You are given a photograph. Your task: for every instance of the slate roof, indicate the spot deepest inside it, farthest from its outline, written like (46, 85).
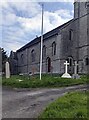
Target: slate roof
(45, 36)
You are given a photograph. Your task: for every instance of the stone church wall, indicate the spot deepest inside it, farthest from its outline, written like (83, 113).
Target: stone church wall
(83, 36)
(76, 48)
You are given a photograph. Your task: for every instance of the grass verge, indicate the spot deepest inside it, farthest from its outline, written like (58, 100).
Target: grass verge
(47, 81)
(72, 105)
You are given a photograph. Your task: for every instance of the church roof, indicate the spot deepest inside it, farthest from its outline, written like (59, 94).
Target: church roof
(45, 36)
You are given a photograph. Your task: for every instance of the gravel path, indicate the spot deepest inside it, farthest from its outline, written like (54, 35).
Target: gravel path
(29, 103)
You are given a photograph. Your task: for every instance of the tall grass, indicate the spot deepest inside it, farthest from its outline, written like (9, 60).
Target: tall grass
(72, 105)
(47, 81)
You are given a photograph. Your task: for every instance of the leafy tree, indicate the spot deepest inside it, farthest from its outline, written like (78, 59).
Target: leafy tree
(3, 58)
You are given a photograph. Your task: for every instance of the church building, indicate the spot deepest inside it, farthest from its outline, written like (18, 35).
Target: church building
(69, 41)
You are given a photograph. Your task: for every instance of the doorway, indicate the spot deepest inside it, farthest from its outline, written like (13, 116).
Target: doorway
(48, 61)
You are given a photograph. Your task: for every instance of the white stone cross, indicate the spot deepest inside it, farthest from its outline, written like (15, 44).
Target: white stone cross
(66, 75)
(7, 70)
(75, 67)
(66, 66)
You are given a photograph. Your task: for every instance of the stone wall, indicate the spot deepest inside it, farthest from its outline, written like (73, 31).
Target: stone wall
(28, 66)
(77, 48)
(83, 38)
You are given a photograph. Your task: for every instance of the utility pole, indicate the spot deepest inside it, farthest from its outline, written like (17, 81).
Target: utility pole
(41, 44)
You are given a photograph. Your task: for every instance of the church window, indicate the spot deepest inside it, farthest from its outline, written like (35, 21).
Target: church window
(70, 61)
(86, 4)
(87, 61)
(44, 51)
(33, 55)
(53, 48)
(70, 34)
(22, 58)
(87, 31)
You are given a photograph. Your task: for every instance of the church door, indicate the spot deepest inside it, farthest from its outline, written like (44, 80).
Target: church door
(48, 64)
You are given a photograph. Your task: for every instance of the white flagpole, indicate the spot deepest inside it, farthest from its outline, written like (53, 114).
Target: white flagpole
(41, 44)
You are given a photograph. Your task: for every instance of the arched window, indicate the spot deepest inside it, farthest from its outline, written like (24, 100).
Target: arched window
(22, 58)
(87, 61)
(53, 48)
(70, 61)
(33, 55)
(70, 34)
(44, 51)
(86, 4)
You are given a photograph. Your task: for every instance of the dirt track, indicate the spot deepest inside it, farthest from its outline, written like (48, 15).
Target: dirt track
(28, 103)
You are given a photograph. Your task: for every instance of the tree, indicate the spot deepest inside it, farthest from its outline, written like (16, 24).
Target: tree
(3, 58)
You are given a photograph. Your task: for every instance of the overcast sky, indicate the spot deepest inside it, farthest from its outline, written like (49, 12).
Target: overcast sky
(21, 21)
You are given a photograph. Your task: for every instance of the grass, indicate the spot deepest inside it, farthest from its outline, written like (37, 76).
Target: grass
(72, 105)
(47, 81)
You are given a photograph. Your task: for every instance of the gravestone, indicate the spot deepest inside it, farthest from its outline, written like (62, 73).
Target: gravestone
(75, 75)
(7, 68)
(66, 74)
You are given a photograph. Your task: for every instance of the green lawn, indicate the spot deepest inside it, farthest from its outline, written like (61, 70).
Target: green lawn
(47, 81)
(72, 105)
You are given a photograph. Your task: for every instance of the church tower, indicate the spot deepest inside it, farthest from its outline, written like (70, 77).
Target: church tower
(81, 14)
(76, 9)
(80, 8)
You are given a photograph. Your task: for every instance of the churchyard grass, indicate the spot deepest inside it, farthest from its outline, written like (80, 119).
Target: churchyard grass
(47, 81)
(72, 105)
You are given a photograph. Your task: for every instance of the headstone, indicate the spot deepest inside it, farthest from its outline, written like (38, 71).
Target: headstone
(33, 71)
(75, 75)
(7, 70)
(66, 75)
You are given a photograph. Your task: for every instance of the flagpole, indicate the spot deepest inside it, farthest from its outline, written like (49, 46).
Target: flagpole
(41, 44)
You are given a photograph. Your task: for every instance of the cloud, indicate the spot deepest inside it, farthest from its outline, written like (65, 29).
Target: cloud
(41, 1)
(23, 8)
(11, 46)
(9, 19)
(64, 13)
(21, 22)
(30, 24)
(51, 20)
(54, 19)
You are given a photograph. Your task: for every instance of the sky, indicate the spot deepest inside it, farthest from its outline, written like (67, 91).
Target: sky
(20, 22)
